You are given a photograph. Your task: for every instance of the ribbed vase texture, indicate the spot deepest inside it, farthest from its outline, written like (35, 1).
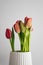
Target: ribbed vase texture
(20, 58)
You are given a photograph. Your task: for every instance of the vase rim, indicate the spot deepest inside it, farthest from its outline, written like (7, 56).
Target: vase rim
(19, 52)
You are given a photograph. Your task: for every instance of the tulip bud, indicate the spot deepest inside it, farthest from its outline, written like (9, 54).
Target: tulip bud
(17, 27)
(26, 19)
(28, 22)
(22, 26)
(8, 33)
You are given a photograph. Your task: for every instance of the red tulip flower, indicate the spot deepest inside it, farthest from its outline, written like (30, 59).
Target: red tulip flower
(8, 33)
(28, 22)
(17, 27)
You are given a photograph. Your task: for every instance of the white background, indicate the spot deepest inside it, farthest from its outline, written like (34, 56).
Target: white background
(10, 11)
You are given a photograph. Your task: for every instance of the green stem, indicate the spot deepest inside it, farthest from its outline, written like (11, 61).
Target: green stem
(29, 40)
(12, 45)
(21, 37)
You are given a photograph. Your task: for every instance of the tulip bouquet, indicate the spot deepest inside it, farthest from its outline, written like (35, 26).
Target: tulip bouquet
(23, 30)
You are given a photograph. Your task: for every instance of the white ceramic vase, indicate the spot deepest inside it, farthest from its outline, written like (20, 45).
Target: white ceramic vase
(20, 58)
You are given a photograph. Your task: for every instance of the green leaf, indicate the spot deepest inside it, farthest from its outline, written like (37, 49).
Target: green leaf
(25, 40)
(26, 46)
(12, 40)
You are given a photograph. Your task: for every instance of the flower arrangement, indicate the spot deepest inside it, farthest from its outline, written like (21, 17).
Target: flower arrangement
(23, 30)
